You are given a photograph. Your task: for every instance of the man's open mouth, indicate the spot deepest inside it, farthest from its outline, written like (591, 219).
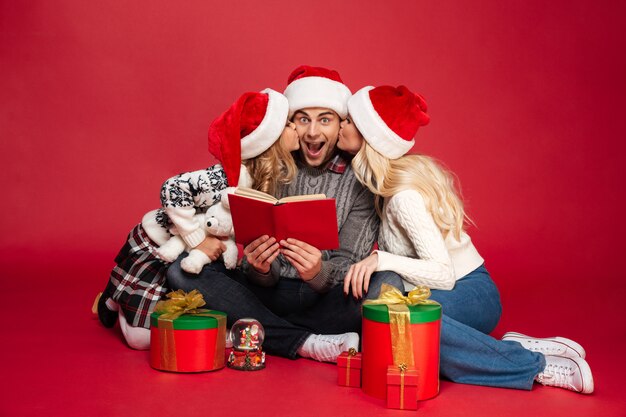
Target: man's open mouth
(314, 148)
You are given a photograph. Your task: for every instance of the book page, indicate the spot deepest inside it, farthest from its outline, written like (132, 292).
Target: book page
(260, 195)
(305, 197)
(255, 194)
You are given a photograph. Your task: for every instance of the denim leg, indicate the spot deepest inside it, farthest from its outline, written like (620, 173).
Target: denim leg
(474, 301)
(468, 354)
(287, 296)
(383, 277)
(228, 291)
(334, 312)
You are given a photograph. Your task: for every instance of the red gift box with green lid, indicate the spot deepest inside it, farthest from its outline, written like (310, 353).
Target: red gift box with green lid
(414, 344)
(187, 340)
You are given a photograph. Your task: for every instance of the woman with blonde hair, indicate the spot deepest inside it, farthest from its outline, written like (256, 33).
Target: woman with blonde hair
(253, 141)
(422, 238)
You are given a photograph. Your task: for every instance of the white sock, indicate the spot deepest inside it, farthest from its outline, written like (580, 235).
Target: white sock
(136, 337)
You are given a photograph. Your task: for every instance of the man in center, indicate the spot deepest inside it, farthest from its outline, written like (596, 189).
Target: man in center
(291, 287)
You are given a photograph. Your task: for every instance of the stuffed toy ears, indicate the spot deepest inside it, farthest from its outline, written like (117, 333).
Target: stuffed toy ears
(224, 197)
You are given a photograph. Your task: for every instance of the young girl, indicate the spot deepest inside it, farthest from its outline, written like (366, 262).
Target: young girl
(422, 239)
(253, 141)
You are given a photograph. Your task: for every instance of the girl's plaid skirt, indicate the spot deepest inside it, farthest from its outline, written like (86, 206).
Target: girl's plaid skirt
(137, 282)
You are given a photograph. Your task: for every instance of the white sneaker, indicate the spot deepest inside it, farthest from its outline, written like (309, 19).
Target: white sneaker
(327, 347)
(554, 346)
(569, 373)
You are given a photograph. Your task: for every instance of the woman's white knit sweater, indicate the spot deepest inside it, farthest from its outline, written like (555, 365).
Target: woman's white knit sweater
(411, 244)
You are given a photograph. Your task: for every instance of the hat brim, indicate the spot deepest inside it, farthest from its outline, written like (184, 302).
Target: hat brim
(270, 128)
(322, 92)
(374, 130)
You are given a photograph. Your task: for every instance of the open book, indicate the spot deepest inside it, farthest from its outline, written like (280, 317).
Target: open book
(309, 218)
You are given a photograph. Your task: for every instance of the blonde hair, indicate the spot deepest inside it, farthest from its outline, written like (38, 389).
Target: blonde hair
(272, 168)
(385, 177)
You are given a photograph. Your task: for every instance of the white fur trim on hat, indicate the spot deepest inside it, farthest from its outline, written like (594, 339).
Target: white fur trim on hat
(270, 129)
(318, 92)
(374, 130)
(245, 180)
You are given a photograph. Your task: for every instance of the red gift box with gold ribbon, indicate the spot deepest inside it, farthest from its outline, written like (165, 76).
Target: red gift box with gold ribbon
(349, 369)
(401, 388)
(185, 338)
(401, 330)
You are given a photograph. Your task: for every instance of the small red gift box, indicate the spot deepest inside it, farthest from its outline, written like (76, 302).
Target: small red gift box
(349, 369)
(401, 388)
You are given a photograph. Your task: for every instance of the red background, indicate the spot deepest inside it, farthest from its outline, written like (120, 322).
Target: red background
(102, 101)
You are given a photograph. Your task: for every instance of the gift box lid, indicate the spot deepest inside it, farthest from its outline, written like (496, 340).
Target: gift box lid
(355, 360)
(393, 376)
(420, 313)
(193, 322)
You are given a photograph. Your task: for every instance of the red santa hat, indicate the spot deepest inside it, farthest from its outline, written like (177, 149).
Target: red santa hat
(388, 118)
(317, 87)
(247, 129)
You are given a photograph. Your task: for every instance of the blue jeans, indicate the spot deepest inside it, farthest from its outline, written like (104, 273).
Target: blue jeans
(290, 311)
(468, 354)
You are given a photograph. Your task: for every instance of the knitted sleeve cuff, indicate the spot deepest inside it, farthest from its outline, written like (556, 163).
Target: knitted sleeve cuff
(194, 238)
(264, 280)
(323, 280)
(385, 262)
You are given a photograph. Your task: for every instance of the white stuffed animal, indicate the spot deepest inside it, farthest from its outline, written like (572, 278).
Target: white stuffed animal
(217, 222)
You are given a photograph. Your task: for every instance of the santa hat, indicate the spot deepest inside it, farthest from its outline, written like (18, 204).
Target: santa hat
(388, 118)
(247, 129)
(317, 87)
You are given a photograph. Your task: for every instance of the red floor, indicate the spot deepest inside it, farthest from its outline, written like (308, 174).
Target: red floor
(59, 361)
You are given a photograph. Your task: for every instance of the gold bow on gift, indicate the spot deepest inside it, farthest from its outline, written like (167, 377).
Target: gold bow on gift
(180, 303)
(351, 353)
(402, 368)
(391, 295)
(400, 319)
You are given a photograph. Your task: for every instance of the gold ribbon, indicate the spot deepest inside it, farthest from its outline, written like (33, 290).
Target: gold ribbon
(168, 344)
(402, 367)
(179, 303)
(391, 295)
(400, 319)
(351, 353)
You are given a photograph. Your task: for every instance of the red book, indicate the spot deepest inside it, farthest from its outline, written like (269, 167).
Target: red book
(309, 218)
